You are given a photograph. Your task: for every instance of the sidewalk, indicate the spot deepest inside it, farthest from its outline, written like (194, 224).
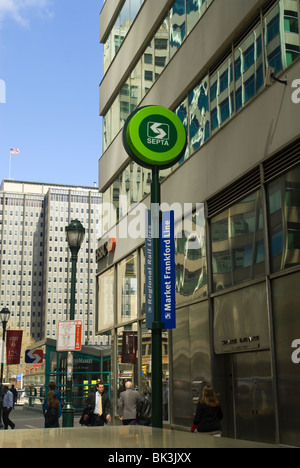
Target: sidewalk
(131, 438)
(26, 417)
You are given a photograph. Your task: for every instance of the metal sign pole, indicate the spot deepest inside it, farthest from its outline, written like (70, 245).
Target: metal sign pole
(157, 404)
(155, 138)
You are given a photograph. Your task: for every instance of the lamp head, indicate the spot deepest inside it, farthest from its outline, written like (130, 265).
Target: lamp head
(75, 234)
(4, 315)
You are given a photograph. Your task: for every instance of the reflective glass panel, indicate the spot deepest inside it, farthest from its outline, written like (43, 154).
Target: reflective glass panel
(106, 218)
(190, 344)
(165, 374)
(182, 113)
(240, 314)
(148, 68)
(194, 10)
(124, 102)
(106, 130)
(115, 196)
(136, 183)
(146, 367)
(115, 118)
(106, 294)
(181, 392)
(127, 289)
(115, 38)
(135, 86)
(177, 25)
(125, 22)
(248, 68)
(143, 296)
(238, 251)
(118, 33)
(161, 45)
(146, 356)
(199, 115)
(107, 53)
(284, 220)
(147, 178)
(135, 6)
(190, 258)
(285, 301)
(127, 359)
(281, 34)
(124, 185)
(221, 95)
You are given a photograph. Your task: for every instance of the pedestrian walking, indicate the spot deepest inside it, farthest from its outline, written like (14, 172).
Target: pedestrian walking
(209, 413)
(52, 389)
(122, 387)
(97, 410)
(144, 407)
(15, 394)
(94, 389)
(8, 404)
(128, 405)
(52, 411)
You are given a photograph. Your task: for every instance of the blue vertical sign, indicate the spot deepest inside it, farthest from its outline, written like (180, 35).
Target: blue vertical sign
(167, 270)
(149, 303)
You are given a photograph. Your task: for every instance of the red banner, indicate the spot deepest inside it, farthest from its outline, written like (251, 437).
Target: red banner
(129, 347)
(13, 346)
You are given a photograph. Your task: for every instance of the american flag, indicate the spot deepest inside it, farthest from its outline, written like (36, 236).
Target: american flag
(14, 151)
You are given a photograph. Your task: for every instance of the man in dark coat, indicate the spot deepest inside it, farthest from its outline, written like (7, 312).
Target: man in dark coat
(97, 410)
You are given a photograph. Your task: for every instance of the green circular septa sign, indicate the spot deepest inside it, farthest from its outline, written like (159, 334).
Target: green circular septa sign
(154, 136)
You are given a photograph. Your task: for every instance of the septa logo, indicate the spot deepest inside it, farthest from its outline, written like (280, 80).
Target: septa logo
(157, 130)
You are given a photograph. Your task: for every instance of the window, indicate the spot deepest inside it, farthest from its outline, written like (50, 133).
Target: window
(120, 30)
(177, 25)
(127, 359)
(291, 21)
(127, 289)
(238, 243)
(182, 113)
(284, 218)
(282, 35)
(221, 95)
(148, 58)
(106, 294)
(248, 68)
(190, 258)
(148, 75)
(199, 115)
(194, 10)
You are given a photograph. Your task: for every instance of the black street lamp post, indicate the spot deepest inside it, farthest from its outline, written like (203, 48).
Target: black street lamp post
(4, 317)
(75, 235)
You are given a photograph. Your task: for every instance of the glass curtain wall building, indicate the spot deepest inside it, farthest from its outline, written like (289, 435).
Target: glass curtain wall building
(237, 233)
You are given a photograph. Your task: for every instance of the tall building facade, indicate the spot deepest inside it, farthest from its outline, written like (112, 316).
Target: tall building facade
(35, 270)
(216, 64)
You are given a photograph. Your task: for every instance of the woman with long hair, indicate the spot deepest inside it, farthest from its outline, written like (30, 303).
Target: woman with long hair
(51, 413)
(208, 414)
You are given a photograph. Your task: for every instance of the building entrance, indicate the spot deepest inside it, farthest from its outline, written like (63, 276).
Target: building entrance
(249, 387)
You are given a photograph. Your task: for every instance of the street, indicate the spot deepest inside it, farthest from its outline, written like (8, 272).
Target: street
(26, 418)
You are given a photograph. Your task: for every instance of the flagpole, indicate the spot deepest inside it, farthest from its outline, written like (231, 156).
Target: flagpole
(12, 151)
(9, 164)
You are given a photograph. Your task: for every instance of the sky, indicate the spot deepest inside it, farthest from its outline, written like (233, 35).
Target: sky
(50, 71)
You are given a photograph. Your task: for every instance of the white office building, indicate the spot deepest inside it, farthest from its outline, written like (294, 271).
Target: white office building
(35, 272)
